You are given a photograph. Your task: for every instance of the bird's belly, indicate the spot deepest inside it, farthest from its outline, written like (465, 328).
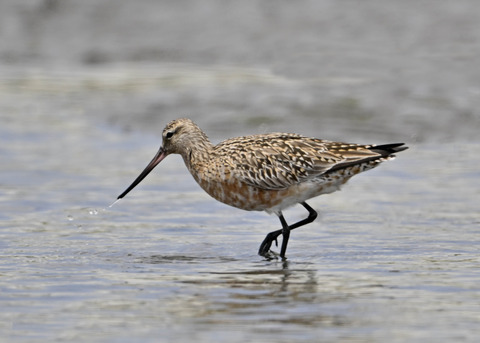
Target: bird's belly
(242, 195)
(250, 198)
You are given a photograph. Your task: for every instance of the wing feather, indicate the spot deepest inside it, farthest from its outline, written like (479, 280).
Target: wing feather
(277, 161)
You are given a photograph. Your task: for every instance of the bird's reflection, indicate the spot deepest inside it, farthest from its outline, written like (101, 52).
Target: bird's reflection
(231, 293)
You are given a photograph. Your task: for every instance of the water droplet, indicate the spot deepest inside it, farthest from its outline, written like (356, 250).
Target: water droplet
(93, 212)
(115, 202)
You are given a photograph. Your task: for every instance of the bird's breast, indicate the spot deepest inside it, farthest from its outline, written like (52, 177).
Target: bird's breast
(241, 195)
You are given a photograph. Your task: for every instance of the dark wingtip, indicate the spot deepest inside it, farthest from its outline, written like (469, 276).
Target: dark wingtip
(388, 149)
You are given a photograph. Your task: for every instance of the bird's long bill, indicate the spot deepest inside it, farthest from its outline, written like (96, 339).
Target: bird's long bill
(153, 163)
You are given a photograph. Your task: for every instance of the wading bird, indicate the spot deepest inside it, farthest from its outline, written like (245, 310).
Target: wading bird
(267, 172)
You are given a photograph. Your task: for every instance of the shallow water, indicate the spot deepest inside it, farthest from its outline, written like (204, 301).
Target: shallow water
(392, 257)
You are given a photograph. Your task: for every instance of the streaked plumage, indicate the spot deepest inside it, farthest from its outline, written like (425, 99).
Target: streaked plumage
(267, 172)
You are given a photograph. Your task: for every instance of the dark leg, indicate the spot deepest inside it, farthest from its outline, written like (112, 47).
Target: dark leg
(272, 236)
(286, 235)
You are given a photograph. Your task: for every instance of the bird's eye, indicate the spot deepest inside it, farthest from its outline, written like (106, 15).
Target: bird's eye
(169, 135)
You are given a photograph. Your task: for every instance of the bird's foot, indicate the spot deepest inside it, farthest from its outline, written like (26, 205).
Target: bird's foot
(271, 255)
(264, 249)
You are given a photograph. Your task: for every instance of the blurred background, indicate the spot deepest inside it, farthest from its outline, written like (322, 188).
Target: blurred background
(369, 70)
(86, 88)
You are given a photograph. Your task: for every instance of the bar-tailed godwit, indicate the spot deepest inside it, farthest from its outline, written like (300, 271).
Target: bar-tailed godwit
(267, 172)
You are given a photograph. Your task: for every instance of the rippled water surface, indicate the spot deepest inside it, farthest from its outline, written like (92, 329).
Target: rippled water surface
(392, 257)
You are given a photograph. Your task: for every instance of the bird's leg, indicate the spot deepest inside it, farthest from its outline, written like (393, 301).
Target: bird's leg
(312, 215)
(286, 235)
(272, 236)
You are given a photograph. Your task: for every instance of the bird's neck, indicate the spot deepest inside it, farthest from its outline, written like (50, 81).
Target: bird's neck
(197, 151)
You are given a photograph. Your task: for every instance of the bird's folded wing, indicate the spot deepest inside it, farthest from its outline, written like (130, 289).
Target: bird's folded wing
(277, 161)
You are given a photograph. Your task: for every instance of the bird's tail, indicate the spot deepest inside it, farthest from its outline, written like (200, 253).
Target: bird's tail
(387, 150)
